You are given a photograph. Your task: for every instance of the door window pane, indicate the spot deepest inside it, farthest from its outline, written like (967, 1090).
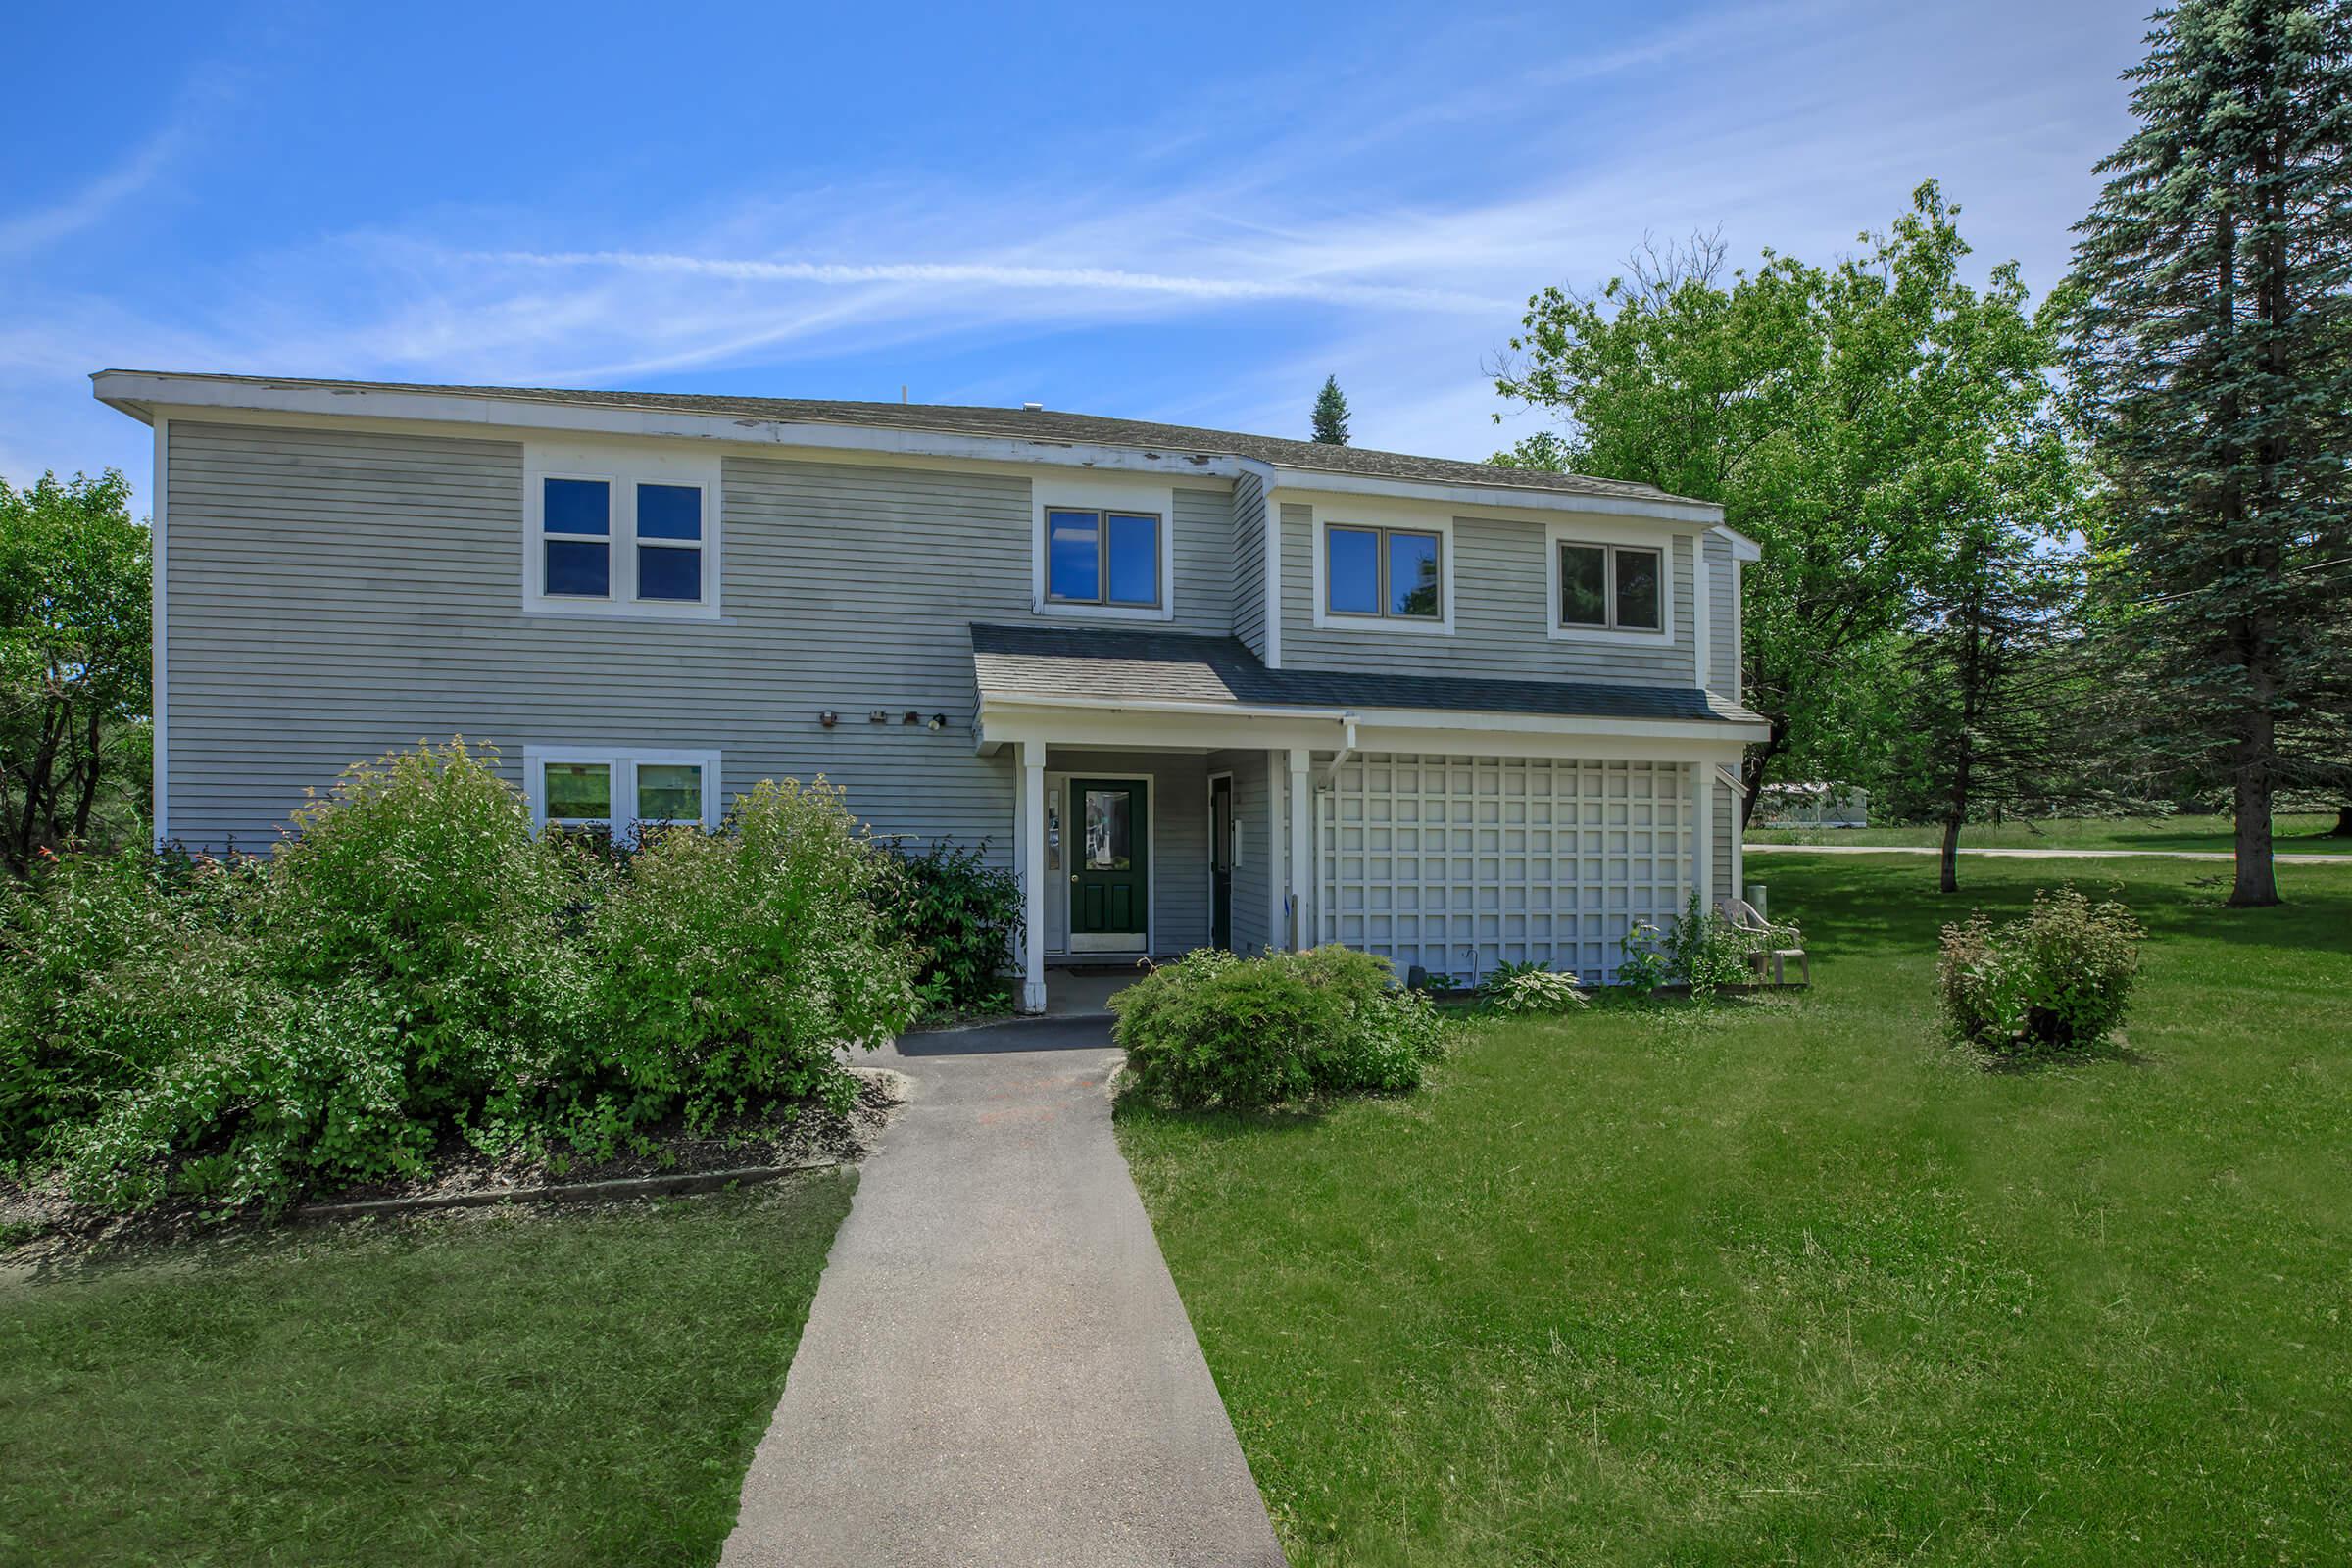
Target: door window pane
(666, 571)
(1413, 575)
(1584, 585)
(1638, 589)
(1073, 556)
(1107, 847)
(579, 567)
(579, 791)
(1134, 558)
(670, 792)
(576, 506)
(670, 511)
(1353, 572)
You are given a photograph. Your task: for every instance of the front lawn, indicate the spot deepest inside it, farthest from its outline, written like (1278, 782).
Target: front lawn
(2294, 834)
(1796, 1281)
(575, 1388)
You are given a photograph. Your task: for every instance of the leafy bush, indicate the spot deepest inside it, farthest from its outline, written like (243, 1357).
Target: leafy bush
(1642, 967)
(2057, 979)
(733, 965)
(1216, 1030)
(960, 915)
(415, 965)
(1522, 988)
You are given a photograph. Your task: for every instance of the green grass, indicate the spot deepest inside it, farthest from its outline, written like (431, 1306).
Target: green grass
(1796, 1281)
(2294, 834)
(580, 1389)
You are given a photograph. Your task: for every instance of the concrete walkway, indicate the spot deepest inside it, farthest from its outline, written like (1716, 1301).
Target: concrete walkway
(997, 1368)
(2037, 854)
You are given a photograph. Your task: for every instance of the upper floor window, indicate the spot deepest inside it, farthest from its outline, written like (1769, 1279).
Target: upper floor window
(1102, 558)
(1612, 587)
(620, 531)
(1392, 572)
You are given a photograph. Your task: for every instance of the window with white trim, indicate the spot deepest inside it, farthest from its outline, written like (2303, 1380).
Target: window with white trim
(1607, 587)
(1102, 556)
(1383, 573)
(620, 531)
(620, 793)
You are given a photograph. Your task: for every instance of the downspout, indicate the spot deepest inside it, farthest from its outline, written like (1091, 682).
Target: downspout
(1339, 758)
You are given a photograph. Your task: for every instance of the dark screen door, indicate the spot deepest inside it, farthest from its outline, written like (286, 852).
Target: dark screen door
(1220, 863)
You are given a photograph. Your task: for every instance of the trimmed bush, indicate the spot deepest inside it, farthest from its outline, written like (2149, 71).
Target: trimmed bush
(960, 916)
(2057, 979)
(1212, 1029)
(733, 965)
(1529, 988)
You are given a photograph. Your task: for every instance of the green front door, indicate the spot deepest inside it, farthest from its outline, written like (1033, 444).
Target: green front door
(1110, 888)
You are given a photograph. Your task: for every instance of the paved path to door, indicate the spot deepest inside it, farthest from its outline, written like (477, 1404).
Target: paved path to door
(2040, 855)
(997, 1368)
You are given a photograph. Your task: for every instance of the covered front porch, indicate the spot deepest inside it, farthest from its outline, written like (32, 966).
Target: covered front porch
(1173, 793)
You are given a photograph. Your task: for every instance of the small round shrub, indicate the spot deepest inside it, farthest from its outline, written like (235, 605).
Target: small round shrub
(1529, 988)
(1214, 1029)
(2057, 979)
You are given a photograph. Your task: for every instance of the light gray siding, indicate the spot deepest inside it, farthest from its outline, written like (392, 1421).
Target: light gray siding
(1251, 807)
(1249, 564)
(335, 594)
(1204, 524)
(1500, 615)
(1723, 619)
(1727, 839)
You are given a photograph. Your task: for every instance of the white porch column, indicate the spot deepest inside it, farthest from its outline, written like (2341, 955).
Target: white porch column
(1277, 881)
(1032, 830)
(1303, 851)
(1703, 833)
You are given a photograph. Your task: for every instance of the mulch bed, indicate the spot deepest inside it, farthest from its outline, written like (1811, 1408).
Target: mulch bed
(40, 1219)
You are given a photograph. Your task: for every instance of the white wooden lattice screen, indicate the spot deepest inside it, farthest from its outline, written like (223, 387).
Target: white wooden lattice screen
(1460, 863)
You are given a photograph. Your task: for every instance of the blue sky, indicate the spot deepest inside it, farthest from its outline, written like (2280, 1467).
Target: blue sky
(1189, 213)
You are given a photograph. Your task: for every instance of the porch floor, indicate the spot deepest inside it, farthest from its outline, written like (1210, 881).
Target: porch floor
(1085, 991)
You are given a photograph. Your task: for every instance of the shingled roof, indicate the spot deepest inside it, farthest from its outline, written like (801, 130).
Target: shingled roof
(1043, 425)
(1108, 665)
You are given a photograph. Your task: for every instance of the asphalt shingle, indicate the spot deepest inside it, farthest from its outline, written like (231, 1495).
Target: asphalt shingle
(1111, 665)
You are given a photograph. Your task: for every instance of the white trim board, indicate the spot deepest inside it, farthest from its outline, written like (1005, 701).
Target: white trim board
(159, 683)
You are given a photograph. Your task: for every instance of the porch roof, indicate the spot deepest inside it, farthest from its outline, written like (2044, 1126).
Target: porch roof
(1117, 664)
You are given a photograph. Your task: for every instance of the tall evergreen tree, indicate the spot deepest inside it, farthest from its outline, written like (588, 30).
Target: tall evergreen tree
(2213, 369)
(1331, 414)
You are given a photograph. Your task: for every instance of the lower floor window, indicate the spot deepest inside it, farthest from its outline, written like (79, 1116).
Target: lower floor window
(618, 793)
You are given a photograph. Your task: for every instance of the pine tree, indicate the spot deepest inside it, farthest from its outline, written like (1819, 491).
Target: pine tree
(1331, 414)
(2214, 374)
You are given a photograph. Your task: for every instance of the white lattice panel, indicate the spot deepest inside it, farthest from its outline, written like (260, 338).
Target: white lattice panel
(1460, 863)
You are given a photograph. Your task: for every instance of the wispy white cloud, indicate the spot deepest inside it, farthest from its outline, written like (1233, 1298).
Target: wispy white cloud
(96, 200)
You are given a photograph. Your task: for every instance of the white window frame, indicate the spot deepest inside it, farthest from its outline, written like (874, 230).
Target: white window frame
(1101, 493)
(1392, 520)
(1595, 535)
(624, 762)
(622, 467)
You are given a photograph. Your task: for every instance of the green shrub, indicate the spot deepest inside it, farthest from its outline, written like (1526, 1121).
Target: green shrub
(734, 965)
(2059, 978)
(960, 916)
(1524, 988)
(1642, 966)
(1216, 1030)
(62, 930)
(394, 975)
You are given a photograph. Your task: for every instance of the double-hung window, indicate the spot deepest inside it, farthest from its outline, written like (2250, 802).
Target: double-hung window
(1101, 556)
(618, 794)
(620, 532)
(1606, 587)
(1390, 573)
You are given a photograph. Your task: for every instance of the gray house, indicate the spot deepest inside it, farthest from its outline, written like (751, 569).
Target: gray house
(1196, 687)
